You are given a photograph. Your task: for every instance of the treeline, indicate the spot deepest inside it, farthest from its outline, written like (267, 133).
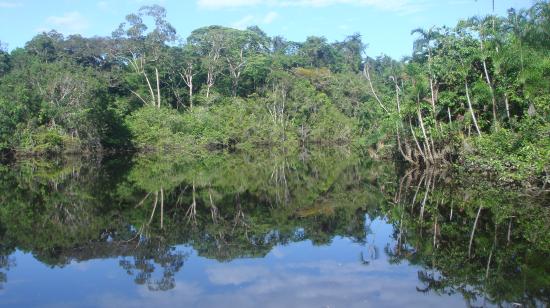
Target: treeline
(142, 88)
(476, 94)
(473, 92)
(487, 77)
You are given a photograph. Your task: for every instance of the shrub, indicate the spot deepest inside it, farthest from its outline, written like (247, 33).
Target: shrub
(156, 128)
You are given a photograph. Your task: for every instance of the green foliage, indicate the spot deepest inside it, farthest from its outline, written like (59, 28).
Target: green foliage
(476, 95)
(329, 125)
(235, 122)
(224, 87)
(4, 61)
(10, 116)
(514, 156)
(153, 127)
(110, 210)
(471, 233)
(44, 140)
(140, 209)
(58, 96)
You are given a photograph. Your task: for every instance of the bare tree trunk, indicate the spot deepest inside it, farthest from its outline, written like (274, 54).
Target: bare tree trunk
(161, 208)
(417, 190)
(210, 79)
(192, 211)
(507, 106)
(435, 232)
(427, 141)
(488, 79)
(423, 205)
(434, 153)
(416, 141)
(432, 96)
(214, 56)
(488, 264)
(492, 90)
(158, 87)
(142, 200)
(191, 94)
(235, 70)
(491, 254)
(397, 98)
(154, 207)
(187, 77)
(213, 208)
(366, 74)
(406, 157)
(432, 86)
(470, 108)
(473, 232)
(150, 88)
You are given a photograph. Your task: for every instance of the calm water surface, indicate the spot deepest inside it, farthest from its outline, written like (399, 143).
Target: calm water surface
(324, 228)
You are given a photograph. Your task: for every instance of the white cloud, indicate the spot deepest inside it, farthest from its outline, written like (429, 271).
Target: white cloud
(402, 6)
(243, 22)
(9, 5)
(69, 23)
(220, 4)
(236, 275)
(250, 20)
(310, 284)
(270, 17)
(162, 2)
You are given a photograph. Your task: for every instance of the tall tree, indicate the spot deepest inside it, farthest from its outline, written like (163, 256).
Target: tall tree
(139, 49)
(209, 42)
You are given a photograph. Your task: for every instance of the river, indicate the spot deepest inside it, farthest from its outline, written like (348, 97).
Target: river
(305, 228)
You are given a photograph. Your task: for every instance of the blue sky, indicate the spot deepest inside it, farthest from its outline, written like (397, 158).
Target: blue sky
(384, 24)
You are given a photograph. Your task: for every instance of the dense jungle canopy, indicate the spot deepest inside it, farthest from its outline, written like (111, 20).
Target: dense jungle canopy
(477, 93)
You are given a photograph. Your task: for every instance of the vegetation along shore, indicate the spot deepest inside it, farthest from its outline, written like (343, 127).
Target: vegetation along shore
(475, 96)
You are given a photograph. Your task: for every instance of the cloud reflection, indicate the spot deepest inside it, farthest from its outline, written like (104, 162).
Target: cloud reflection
(311, 284)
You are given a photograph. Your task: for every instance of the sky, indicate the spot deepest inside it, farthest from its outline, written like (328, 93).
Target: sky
(384, 24)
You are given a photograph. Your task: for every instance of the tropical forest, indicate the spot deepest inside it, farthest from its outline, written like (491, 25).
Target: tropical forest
(231, 167)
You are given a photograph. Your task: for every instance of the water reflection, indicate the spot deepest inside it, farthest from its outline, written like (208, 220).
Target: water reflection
(472, 239)
(461, 238)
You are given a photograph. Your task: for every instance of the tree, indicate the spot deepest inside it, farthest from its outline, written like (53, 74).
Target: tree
(46, 46)
(352, 49)
(317, 52)
(483, 29)
(423, 47)
(190, 68)
(240, 46)
(209, 43)
(4, 60)
(137, 48)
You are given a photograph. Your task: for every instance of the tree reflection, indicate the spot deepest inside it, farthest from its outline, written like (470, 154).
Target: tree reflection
(462, 236)
(225, 206)
(150, 254)
(467, 237)
(6, 262)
